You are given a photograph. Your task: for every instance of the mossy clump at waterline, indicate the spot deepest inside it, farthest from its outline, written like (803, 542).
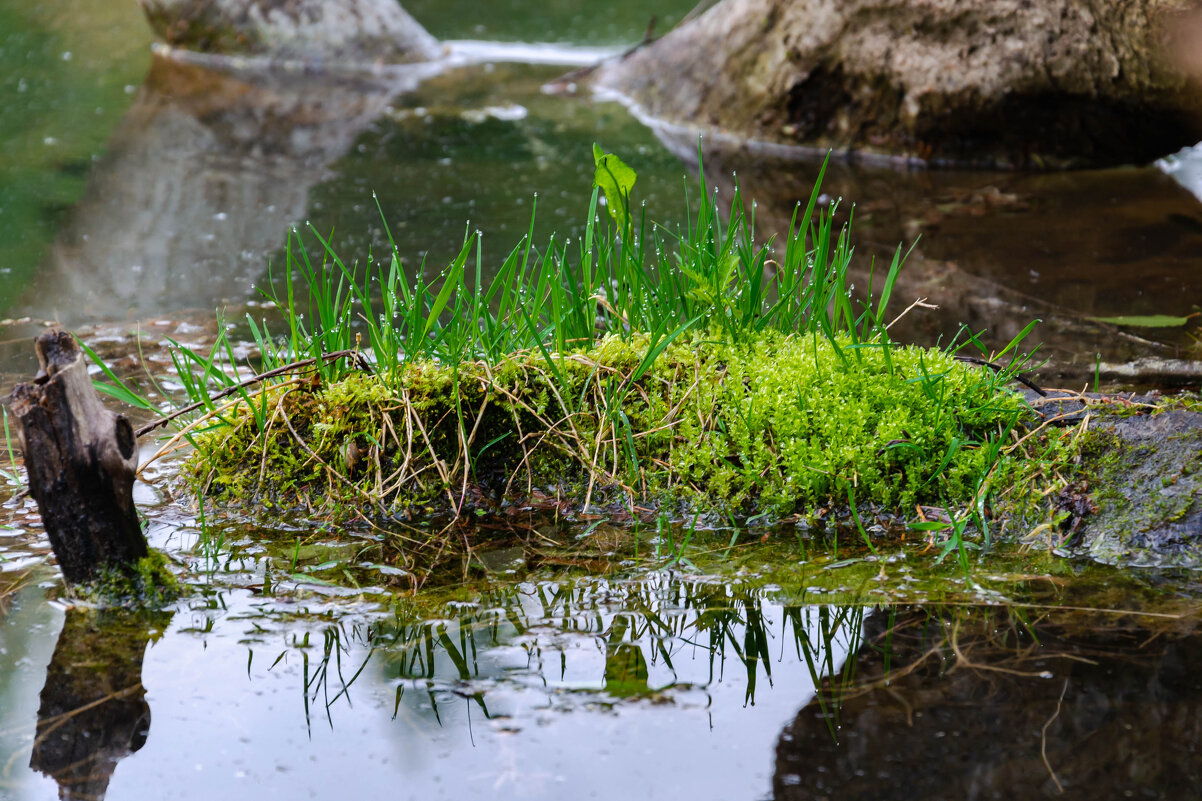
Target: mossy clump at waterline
(645, 370)
(147, 582)
(776, 424)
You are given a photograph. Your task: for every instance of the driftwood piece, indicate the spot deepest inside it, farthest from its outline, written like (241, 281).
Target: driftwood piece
(81, 459)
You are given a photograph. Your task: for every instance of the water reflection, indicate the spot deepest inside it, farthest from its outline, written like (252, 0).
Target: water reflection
(989, 703)
(615, 641)
(625, 639)
(209, 168)
(667, 681)
(615, 686)
(200, 181)
(93, 710)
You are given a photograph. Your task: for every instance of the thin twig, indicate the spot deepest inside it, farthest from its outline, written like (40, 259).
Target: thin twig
(174, 443)
(467, 450)
(287, 368)
(920, 303)
(1043, 745)
(1045, 424)
(1019, 377)
(438, 463)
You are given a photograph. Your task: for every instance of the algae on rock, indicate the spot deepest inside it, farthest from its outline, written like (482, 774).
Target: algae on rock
(1146, 476)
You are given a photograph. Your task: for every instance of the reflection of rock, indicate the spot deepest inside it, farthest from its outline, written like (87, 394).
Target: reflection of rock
(93, 711)
(1101, 708)
(199, 184)
(997, 250)
(306, 30)
(1003, 82)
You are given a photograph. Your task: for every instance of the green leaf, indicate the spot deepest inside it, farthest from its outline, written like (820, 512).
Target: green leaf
(304, 578)
(125, 395)
(615, 179)
(1014, 343)
(934, 525)
(1146, 321)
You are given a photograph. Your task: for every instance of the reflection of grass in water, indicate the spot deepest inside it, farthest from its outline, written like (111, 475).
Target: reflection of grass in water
(657, 621)
(653, 622)
(10, 474)
(10, 585)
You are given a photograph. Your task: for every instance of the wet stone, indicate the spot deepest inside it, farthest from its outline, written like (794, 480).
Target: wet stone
(1147, 474)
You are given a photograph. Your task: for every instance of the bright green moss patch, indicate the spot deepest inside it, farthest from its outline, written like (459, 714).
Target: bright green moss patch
(800, 421)
(773, 424)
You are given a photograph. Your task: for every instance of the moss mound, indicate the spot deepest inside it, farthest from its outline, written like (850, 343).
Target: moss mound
(771, 424)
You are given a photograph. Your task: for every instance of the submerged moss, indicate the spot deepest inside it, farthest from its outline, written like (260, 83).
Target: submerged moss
(774, 424)
(149, 582)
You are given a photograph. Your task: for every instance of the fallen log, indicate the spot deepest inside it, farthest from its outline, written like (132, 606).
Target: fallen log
(81, 459)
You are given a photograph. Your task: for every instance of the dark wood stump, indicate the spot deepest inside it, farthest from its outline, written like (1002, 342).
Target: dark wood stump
(81, 459)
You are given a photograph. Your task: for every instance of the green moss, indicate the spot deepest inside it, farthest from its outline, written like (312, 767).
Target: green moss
(782, 423)
(1028, 481)
(774, 424)
(1143, 483)
(1184, 401)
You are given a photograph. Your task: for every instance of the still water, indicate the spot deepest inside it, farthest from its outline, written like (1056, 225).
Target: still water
(660, 683)
(142, 192)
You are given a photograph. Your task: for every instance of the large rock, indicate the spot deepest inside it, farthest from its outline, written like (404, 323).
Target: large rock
(1043, 83)
(358, 31)
(1146, 481)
